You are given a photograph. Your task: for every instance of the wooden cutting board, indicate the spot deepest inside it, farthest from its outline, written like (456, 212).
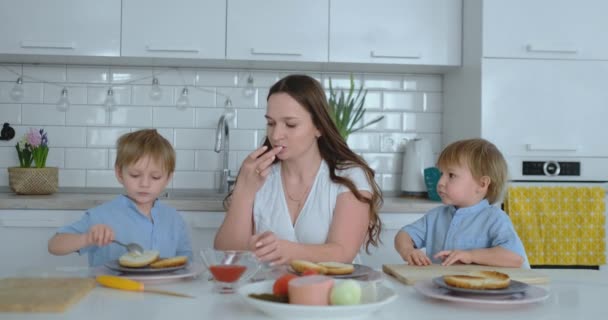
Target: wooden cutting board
(410, 274)
(42, 294)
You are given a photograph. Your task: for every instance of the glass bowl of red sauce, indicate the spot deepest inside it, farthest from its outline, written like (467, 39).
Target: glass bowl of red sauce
(230, 268)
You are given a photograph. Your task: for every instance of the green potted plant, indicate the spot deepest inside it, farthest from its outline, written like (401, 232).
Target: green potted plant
(347, 110)
(33, 148)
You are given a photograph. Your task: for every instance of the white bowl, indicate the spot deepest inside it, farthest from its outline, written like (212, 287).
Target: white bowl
(384, 296)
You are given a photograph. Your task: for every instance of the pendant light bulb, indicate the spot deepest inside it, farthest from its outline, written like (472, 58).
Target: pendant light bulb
(17, 91)
(183, 102)
(110, 102)
(155, 92)
(63, 104)
(249, 90)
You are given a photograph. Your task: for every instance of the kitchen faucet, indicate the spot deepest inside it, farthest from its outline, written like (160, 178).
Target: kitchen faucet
(222, 143)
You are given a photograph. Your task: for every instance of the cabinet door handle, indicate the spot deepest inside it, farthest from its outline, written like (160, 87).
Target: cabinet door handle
(549, 147)
(48, 45)
(540, 49)
(268, 53)
(171, 49)
(373, 54)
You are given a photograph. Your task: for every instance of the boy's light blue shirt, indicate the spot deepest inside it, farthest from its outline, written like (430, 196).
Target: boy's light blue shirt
(479, 226)
(166, 231)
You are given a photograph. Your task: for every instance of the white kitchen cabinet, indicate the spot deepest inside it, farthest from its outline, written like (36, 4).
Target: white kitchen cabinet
(553, 29)
(277, 30)
(60, 27)
(385, 253)
(174, 29)
(423, 32)
(545, 107)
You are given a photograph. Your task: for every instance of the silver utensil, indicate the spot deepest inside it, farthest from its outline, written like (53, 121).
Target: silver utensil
(131, 247)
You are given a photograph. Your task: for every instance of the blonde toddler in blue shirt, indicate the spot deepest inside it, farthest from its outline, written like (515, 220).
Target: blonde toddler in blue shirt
(467, 229)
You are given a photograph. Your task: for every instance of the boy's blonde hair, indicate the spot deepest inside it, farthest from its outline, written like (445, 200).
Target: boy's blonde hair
(483, 159)
(133, 146)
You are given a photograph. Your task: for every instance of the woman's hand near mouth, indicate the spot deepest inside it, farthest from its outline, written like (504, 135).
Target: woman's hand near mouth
(256, 167)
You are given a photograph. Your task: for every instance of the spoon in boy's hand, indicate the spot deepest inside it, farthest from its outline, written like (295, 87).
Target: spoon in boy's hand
(131, 247)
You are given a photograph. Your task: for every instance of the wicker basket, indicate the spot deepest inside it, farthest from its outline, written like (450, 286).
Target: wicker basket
(33, 180)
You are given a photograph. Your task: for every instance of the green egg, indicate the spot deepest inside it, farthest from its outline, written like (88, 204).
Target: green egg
(347, 292)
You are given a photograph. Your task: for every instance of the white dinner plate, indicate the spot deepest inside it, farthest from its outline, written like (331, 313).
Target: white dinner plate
(384, 296)
(514, 287)
(531, 295)
(114, 265)
(192, 270)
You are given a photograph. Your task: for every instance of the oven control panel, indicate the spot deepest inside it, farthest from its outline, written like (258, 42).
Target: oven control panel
(551, 168)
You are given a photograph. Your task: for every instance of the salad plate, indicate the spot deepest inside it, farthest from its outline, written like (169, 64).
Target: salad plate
(383, 296)
(533, 294)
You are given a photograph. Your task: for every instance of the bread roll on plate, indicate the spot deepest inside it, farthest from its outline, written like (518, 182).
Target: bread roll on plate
(337, 268)
(303, 265)
(478, 280)
(169, 262)
(132, 260)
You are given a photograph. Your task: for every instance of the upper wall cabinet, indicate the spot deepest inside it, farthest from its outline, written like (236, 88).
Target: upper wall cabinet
(423, 32)
(278, 30)
(545, 29)
(174, 29)
(60, 27)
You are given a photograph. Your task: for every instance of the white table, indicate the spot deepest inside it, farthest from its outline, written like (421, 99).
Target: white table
(575, 294)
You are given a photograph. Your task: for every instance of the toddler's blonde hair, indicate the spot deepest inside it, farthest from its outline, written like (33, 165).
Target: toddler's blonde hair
(133, 146)
(483, 159)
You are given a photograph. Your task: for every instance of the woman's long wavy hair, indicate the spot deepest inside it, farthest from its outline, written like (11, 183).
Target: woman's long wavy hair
(308, 93)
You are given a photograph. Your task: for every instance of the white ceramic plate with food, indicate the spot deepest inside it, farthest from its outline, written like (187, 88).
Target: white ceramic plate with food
(191, 270)
(383, 296)
(514, 287)
(531, 295)
(114, 265)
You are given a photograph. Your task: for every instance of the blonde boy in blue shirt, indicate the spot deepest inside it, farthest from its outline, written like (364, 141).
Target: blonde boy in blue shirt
(144, 165)
(467, 229)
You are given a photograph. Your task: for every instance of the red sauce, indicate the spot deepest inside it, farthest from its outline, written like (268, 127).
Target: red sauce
(227, 273)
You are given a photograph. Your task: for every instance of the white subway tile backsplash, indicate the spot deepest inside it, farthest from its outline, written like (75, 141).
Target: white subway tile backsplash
(141, 96)
(194, 139)
(104, 137)
(48, 73)
(83, 138)
(76, 94)
(102, 179)
(10, 72)
(209, 78)
(184, 160)
(364, 142)
(41, 114)
(406, 101)
(194, 180)
(10, 113)
(251, 119)
(86, 74)
(135, 117)
(98, 95)
(382, 82)
(66, 136)
(72, 178)
(423, 83)
(86, 115)
(82, 158)
(173, 117)
(428, 122)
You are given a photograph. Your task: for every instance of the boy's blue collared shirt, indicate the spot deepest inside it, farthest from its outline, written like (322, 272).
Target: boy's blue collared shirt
(166, 231)
(479, 226)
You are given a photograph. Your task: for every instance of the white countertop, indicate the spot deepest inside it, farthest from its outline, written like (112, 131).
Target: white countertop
(574, 294)
(182, 201)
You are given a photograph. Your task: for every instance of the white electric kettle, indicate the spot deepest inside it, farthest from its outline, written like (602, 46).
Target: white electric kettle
(418, 156)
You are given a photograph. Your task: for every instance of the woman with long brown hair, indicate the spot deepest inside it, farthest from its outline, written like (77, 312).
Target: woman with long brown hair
(304, 194)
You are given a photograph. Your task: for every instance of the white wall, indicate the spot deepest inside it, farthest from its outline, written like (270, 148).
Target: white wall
(82, 139)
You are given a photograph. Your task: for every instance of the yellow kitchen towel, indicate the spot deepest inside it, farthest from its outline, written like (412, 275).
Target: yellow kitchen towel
(559, 225)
